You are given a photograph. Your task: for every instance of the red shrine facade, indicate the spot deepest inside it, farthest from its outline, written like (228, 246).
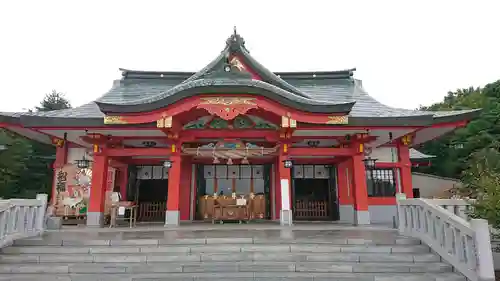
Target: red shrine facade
(299, 145)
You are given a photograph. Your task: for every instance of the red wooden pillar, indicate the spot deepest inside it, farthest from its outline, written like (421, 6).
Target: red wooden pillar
(185, 189)
(405, 170)
(95, 212)
(60, 161)
(172, 215)
(360, 191)
(342, 181)
(285, 193)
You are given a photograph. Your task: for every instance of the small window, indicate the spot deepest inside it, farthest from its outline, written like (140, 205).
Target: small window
(416, 193)
(381, 183)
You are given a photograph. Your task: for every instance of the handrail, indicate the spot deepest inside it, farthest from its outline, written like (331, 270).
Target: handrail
(21, 218)
(459, 207)
(464, 244)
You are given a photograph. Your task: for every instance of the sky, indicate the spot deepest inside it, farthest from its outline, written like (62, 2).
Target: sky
(407, 53)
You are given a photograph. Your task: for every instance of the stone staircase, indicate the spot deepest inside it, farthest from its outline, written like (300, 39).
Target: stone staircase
(224, 255)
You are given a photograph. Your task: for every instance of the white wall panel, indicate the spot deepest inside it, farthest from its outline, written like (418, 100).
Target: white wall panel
(385, 154)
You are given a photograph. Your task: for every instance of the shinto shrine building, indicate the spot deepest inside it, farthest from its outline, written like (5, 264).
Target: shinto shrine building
(301, 145)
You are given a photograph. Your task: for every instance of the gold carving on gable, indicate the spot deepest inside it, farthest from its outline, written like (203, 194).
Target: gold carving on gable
(228, 101)
(337, 120)
(113, 119)
(227, 108)
(235, 61)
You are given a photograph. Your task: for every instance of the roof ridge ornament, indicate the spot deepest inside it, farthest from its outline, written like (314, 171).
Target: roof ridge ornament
(235, 41)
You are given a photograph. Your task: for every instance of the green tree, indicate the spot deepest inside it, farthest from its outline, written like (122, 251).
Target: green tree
(25, 167)
(53, 101)
(481, 181)
(480, 133)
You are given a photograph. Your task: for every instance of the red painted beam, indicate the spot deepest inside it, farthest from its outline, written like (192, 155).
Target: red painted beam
(144, 161)
(347, 127)
(229, 134)
(321, 151)
(121, 152)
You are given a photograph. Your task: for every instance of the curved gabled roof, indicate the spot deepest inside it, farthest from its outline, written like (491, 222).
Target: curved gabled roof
(317, 92)
(223, 76)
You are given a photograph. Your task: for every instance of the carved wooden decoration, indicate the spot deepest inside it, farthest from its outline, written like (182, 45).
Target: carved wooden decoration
(235, 61)
(164, 122)
(110, 120)
(407, 139)
(227, 108)
(287, 122)
(333, 120)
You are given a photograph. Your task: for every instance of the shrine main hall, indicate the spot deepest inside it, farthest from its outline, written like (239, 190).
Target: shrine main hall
(289, 146)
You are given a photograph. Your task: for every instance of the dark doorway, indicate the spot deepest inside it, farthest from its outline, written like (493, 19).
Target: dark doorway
(152, 199)
(314, 193)
(148, 188)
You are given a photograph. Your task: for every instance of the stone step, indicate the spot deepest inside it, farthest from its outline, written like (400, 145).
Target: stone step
(218, 267)
(206, 257)
(238, 276)
(223, 248)
(201, 241)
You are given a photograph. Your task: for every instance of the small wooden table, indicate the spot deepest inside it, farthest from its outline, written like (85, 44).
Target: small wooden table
(231, 213)
(132, 218)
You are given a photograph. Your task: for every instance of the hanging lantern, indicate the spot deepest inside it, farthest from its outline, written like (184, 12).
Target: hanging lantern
(369, 163)
(167, 164)
(83, 163)
(216, 160)
(287, 164)
(230, 161)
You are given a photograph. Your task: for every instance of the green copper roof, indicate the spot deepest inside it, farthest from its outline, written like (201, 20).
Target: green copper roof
(317, 92)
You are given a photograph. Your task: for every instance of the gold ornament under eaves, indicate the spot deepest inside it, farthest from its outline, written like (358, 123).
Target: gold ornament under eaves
(337, 120)
(228, 100)
(108, 120)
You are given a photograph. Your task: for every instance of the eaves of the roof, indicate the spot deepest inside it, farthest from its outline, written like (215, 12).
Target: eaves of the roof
(417, 155)
(223, 86)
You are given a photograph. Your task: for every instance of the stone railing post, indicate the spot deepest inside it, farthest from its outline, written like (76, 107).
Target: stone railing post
(40, 212)
(400, 215)
(485, 269)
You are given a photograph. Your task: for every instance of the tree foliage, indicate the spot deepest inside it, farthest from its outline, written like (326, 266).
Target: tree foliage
(481, 181)
(477, 159)
(53, 101)
(453, 151)
(26, 165)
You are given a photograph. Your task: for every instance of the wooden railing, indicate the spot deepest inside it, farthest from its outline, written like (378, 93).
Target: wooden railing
(464, 244)
(311, 209)
(21, 218)
(152, 211)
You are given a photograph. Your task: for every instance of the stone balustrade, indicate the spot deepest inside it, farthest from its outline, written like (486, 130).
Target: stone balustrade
(21, 218)
(459, 207)
(444, 226)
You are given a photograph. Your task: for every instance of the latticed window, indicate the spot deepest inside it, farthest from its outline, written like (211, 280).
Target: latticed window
(381, 183)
